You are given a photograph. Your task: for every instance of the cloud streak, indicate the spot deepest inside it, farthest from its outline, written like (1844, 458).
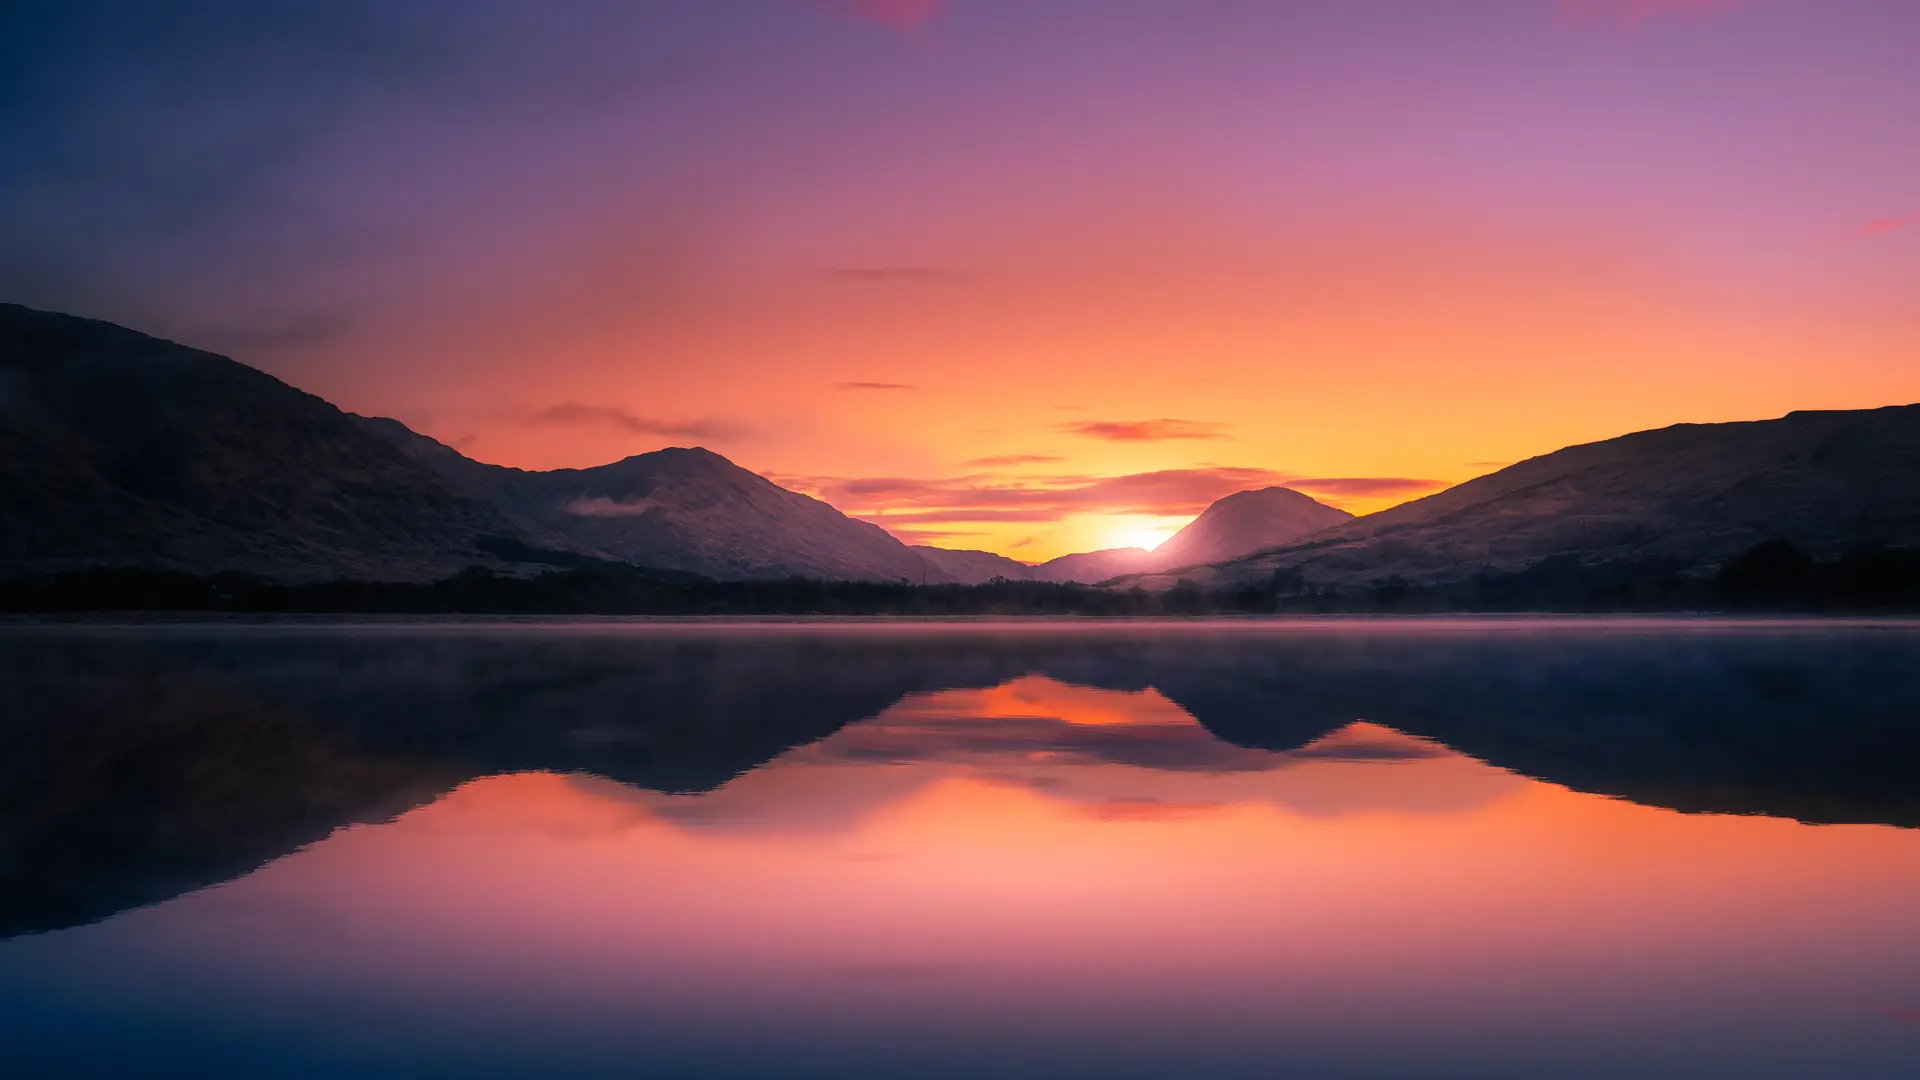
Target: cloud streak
(1005, 460)
(1885, 225)
(1161, 430)
(573, 413)
(897, 275)
(874, 386)
(986, 497)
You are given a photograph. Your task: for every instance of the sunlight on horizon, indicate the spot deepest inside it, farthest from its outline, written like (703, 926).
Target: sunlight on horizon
(1143, 532)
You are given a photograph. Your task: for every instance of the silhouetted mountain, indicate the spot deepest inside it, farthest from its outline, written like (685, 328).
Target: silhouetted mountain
(676, 509)
(121, 449)
(1691, 495)
(1246, 522)
(119, 787)
(975, 567)
(1090, 567)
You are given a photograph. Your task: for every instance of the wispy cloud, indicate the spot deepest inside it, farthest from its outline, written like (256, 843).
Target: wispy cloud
(896, 14)
(576, 413)
(1363, 486)
(992, 497)
(874, 386)
(921, 504)
(934, 537)
(1640, 11)
(1882, 226)
(1160, 430)
(897, 275)
(1004, 460)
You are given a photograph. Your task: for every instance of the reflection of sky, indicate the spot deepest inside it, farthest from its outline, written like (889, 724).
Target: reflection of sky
(1112, 755)
(1042, 873)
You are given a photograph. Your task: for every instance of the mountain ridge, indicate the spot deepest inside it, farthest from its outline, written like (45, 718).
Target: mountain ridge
(117, 448)
(1693, 494)
(678, 508)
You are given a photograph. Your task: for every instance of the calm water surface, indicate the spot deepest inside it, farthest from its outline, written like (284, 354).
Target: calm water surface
(1368, 849)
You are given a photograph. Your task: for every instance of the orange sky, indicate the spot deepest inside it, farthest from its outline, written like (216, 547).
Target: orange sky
(997, 410)
(1029, 278)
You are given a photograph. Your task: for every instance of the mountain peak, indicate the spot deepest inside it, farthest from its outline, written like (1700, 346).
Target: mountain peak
(678, 508)
(1245, 522)
(1688, 496)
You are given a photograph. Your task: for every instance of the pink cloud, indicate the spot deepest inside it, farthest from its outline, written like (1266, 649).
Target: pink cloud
(931, 537)
(1144, 430)
(899, 275)
(1882, 226)
(984, 497)
(1005, 460)
(573, 413)
(991, 497)
(896, 14)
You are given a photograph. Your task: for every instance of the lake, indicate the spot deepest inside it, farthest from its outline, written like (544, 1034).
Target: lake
(1413, 848)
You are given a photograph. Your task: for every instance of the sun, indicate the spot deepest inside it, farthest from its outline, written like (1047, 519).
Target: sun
(1146, 533)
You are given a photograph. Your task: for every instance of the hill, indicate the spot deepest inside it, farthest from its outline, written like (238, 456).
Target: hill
(966, 567)
(1246, 522)
(1689, 496)
(680, 508)
(121, 449)
(1091, 567)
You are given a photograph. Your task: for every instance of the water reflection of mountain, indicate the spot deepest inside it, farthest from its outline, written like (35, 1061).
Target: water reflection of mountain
(137, 765)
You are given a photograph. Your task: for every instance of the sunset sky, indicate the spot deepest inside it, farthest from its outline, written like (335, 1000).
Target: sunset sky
(1034, 276)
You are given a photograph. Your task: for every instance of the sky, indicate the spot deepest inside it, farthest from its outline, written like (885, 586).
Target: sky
(1032, 276)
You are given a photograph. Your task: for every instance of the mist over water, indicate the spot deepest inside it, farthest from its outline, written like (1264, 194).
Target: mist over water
(1350, 849)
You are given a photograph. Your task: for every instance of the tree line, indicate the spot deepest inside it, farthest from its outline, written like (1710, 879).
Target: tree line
(1776, 576)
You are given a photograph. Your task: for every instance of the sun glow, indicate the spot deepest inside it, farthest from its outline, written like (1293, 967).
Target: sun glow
(1145, 532)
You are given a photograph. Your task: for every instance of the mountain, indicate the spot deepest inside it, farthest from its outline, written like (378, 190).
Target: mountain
(1691, 495)
(1246, 522)
(975, 567)
(1089, 567)
(1239, 524)
(121, 449)
(675, 509)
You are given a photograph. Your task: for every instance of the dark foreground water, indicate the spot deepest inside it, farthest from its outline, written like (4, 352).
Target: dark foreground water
(1414, 849)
